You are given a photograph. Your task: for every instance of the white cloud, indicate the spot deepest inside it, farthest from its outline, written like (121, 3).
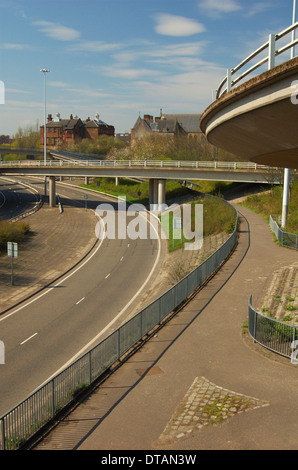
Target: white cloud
(59, 84)
(93, 46)
(171, 25)
(127, 73)
(15, 47)
(217, 7)
(257, 8)
(57, 31)
(15, 90)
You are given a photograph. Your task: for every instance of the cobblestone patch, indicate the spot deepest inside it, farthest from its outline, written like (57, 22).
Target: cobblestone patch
(281, 298)
(206, 404)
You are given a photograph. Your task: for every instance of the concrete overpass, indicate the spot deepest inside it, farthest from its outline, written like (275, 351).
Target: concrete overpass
(157, 172)
(258, 119)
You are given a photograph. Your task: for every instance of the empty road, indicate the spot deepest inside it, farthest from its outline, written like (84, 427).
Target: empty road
(42, 335)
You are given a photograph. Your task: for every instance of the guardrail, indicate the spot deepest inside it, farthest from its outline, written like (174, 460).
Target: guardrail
(34, 209)
(138, 163)
(23, 421)
(290, 240)
(271, 46)
(273, 334)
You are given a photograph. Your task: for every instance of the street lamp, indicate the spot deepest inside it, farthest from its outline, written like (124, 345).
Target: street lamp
(45, 71)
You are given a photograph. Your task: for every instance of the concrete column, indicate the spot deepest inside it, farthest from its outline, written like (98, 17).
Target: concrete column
(161, 195)
(116, 181)
(52, 191)
(153, 194)
(86, 180)
(285, 202)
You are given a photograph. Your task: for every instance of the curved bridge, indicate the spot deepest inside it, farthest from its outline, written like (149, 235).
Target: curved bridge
(257, 120)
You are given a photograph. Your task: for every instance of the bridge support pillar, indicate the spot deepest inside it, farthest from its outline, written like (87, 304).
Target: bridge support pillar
(161, 195)
(52, 191)
(285, 202)
(157, 194)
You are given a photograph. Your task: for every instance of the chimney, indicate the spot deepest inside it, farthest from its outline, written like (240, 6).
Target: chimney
(71, 116)
(147, 117)
(50, 118)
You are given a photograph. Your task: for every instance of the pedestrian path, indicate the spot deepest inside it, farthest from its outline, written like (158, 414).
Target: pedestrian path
(199, 383)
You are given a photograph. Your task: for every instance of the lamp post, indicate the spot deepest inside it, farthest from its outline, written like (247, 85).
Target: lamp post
(45, 71)
(286, 188)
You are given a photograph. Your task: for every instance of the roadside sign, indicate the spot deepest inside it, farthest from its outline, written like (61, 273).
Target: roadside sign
(12, 252)
(12, 249)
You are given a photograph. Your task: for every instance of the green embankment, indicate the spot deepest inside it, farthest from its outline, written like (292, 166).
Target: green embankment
(218, 216)
(270, 203)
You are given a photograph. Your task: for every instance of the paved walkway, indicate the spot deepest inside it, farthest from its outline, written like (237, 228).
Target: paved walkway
(199, 383)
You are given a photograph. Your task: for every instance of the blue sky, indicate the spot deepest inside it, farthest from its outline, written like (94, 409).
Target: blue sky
(122, 58)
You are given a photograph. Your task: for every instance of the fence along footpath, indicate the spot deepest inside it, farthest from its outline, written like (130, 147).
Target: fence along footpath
(36, 411)
(290, 240)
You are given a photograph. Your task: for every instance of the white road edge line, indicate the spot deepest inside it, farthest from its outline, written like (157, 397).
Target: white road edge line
(83, 298)
(87, 346)
(58, 283)
(30, 337)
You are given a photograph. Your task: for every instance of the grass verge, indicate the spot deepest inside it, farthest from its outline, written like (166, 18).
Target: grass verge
(12, 232)
(270, 203)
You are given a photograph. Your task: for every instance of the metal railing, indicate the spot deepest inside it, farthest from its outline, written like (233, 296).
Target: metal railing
(137, 163)
(290, 240)
(272, 52)
(29, 416)
(273, 334)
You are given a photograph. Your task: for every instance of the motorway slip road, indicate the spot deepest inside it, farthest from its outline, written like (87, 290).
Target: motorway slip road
(50, 329)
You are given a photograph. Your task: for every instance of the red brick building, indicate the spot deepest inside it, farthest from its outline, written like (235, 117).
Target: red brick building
(94, 128)
(73, 130)
(4, 139)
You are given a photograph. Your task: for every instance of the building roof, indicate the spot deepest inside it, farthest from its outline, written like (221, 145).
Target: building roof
(94, 123)
(65, 123)
(164, 125)
(189, 122)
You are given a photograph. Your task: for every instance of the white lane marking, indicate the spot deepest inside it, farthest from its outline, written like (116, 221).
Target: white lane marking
(107, 276)
(128, 245)
(30, 337)
(87, 346)
(4, 199)
(83, 298)
(122, 258)
(57, 283)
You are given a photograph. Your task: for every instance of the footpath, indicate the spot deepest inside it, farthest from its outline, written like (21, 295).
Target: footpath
(200, 383)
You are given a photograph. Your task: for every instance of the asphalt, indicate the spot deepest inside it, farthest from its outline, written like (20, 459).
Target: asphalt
(56, 243)
(200, 383)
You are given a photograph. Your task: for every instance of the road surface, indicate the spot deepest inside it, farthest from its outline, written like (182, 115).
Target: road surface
(44, 334)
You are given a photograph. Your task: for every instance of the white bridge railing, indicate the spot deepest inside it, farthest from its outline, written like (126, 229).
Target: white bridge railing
(136, 163)
(271, 46)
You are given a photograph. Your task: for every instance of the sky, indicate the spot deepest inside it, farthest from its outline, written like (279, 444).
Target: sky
(124, 58)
